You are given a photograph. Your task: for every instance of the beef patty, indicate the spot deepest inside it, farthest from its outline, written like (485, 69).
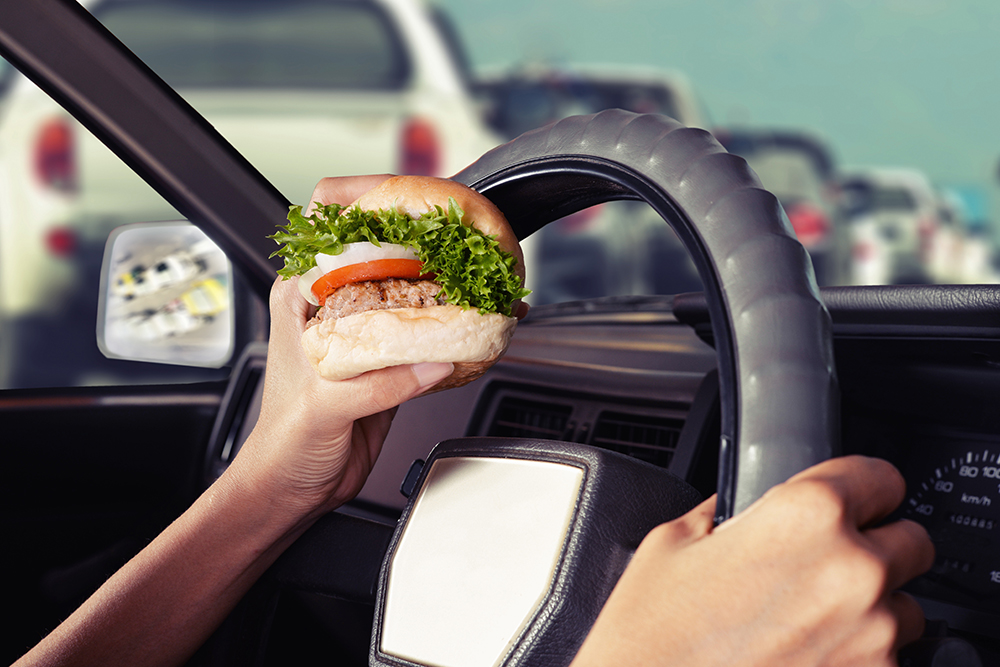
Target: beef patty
(378, 295)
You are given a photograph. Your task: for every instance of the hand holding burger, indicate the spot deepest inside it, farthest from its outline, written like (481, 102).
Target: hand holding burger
(417, 269)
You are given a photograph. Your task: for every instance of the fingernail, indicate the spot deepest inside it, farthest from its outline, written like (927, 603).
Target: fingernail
(430, 372)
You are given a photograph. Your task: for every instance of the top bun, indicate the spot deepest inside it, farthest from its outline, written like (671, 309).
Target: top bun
(415, 195)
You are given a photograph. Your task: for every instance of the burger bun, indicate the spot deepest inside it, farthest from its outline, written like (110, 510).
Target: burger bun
(345, 347)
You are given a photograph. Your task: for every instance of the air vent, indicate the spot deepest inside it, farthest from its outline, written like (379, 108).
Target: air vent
(649, 438)
(521, 418)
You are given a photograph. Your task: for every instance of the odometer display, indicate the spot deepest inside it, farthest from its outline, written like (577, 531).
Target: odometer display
(958, 501)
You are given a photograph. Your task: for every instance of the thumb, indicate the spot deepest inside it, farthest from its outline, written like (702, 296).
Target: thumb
(386, 388)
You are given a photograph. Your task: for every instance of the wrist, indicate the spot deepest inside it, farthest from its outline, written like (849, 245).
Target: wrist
(288, 478)
(266, 503)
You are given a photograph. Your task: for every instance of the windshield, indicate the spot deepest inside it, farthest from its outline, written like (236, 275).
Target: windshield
(875, 88)
(892, 199)
(292, 44)
(873, 123)
(526, 100)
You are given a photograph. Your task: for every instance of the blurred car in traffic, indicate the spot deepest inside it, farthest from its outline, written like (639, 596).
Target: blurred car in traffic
(525, 98)
(194, 309)
(206, 299)
(170, 270)
(967, 247)
(591, 253)
(894, 226)
(799, 169)
(154, 325)
(303, 88)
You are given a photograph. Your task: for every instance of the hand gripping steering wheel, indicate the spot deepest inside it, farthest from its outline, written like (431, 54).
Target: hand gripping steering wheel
(778, 393)
(778, 387)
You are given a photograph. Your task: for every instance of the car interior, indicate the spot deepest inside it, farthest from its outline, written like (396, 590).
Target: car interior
(659, 399)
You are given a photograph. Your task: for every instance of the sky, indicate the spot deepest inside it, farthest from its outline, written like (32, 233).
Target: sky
(884, 82)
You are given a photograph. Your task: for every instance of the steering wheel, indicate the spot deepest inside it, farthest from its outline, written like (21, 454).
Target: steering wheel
(505, 604)
(777, 383)
(778, 386)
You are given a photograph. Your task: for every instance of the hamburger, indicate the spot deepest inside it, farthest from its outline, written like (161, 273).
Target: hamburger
(417, 269)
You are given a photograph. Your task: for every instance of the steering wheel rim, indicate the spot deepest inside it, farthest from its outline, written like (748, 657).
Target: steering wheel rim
(778, 384)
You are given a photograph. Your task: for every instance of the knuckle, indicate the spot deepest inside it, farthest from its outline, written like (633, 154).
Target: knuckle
(922, 543)
(816, 501)
(870, 571)
(859, 576)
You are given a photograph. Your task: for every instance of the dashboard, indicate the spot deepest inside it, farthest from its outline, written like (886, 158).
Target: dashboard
(919, 371)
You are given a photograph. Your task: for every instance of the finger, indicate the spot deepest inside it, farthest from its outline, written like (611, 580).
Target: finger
(690, 527)
(343, 190)
(388, 387)
(905, 546)
(869, 488)
(909, 616)
(289, 313)
(286, 303)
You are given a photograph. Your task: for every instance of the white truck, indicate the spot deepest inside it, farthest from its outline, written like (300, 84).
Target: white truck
(302, 88)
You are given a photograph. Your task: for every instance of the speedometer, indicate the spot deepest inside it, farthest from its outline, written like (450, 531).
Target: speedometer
(958, 501)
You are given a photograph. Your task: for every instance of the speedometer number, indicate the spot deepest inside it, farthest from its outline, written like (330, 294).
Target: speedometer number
(959, 504)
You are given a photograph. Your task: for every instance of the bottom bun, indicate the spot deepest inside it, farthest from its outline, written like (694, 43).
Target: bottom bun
(346, 347)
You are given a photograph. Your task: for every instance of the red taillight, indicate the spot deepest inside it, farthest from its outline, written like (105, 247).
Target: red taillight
(926, 229)
(61, 241)
(809, 222)
(419, 153)
(863, 251)
(579, 221)
(55, 159)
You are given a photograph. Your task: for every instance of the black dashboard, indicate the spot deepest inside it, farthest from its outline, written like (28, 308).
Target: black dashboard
(919, 371)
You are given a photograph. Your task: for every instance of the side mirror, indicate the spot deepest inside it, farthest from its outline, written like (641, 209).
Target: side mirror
(166, 296)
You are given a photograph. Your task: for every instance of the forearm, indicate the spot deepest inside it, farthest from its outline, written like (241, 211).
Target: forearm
(312, 449)
(160, 607)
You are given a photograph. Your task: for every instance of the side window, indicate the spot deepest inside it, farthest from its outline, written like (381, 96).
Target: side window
(61, 193)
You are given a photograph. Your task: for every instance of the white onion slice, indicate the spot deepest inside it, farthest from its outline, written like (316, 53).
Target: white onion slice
(306, 281)
(354, 253)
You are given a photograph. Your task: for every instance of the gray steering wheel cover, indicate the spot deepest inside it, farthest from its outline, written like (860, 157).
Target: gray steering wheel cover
(779, 392)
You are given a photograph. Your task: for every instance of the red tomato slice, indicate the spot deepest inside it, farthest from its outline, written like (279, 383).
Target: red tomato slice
(377, 269)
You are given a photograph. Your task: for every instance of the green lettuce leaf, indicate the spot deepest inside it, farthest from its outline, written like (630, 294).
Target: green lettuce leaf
(471, 268)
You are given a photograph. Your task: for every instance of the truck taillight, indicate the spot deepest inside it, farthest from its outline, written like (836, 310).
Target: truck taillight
(61, 241)
(926, 229)
(419, 151)
(55, 156)
(810, 223)
(863, 251)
